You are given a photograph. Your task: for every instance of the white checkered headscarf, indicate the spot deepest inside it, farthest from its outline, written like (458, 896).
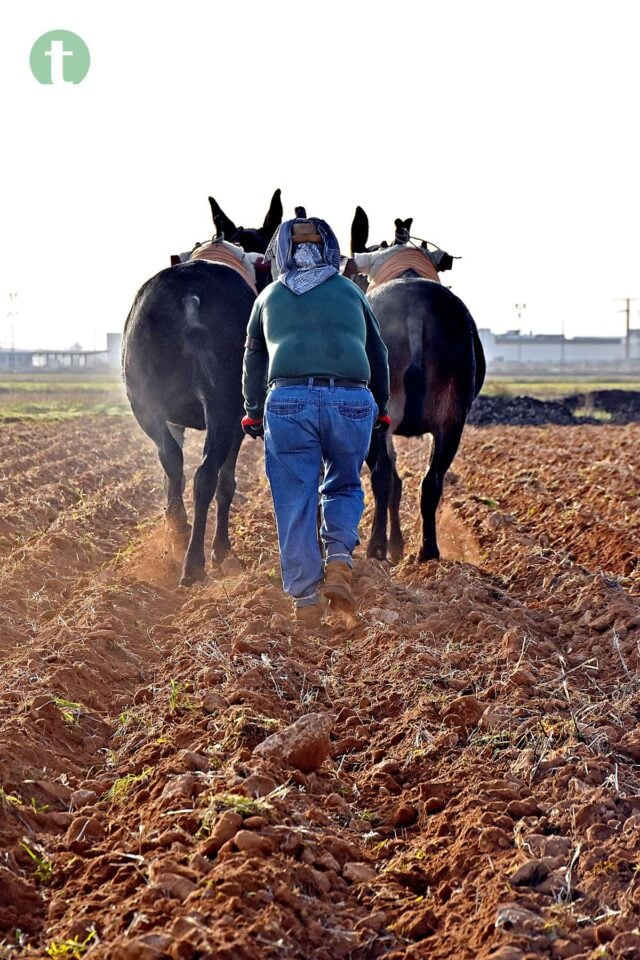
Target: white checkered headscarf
(307, 265)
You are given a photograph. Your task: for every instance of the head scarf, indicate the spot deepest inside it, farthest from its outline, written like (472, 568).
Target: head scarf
(303, 266)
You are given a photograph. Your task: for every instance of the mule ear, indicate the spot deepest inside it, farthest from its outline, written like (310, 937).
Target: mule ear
(402, 231)
(221, 220)
(408, 223)
(359, 231)
(273, 218)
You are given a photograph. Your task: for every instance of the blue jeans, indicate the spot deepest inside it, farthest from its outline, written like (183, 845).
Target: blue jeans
(316, 436)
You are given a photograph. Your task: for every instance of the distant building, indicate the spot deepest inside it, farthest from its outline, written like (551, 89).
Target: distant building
(514, 347)
(114, 346)
(34, 361)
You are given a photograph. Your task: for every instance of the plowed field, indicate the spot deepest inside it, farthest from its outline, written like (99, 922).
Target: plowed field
(466, 783)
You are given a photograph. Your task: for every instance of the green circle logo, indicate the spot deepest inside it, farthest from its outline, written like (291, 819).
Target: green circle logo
(58, 57)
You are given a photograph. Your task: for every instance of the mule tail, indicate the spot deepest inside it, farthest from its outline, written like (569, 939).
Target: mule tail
(415, 385)
(194, 328)
(198, 340)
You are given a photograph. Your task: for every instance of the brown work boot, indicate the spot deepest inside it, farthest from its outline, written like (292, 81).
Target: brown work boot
(337, 586)
(310, 616)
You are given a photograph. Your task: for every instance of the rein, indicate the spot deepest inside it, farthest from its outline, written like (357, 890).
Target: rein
(426, 242)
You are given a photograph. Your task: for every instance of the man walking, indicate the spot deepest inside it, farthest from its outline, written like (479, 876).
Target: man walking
(313, 340)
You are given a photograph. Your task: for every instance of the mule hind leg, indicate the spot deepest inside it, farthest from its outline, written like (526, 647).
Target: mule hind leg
(224, 495)
(446, 440)
(171, 458)
(381, 467)
(396, 540)
(216, 449)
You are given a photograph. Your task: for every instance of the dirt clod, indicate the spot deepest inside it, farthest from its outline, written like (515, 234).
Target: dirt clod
(358, 872)
(303, 745)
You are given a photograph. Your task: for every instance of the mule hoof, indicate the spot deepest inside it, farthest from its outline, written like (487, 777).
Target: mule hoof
(395, 554)
(219, 554)
(428, 554)
(376, 553)
(190, 577)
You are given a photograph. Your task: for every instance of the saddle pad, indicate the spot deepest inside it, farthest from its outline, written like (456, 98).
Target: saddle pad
(409, 259)
(218, 253)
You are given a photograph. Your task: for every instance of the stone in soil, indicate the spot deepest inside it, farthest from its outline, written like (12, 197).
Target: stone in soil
(303, 745)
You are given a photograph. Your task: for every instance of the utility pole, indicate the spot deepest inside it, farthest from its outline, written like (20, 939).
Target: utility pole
(627, 311)
(11, 315)
(520, 308)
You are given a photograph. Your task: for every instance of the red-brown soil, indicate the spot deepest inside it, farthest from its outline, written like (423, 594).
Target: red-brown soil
(481, 793)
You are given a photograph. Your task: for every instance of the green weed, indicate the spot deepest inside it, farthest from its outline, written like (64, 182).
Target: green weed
(44, 867)
(178, 697)
(488, 501)
(123, 786)
(220, 802)
(499, 740)
(370, 816)
(247, 728)
(379, 847)
(129, 721)
(70, 710)
(70, 949)
(11, 799)
(124, 553)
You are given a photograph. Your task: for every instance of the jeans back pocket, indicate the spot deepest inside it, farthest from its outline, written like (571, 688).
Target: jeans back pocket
(285, 408)
(355, 410)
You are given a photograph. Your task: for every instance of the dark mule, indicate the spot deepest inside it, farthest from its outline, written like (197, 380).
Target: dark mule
(252, 240)
(182, 355)
(437, 368)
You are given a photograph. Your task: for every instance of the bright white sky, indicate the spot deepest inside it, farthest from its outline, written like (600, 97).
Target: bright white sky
(508, 130)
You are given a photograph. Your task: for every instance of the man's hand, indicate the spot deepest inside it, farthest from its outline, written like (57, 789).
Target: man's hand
(383, 423)
(252, 428)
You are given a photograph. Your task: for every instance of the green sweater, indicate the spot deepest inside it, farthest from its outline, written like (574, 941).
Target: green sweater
(329, 331)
